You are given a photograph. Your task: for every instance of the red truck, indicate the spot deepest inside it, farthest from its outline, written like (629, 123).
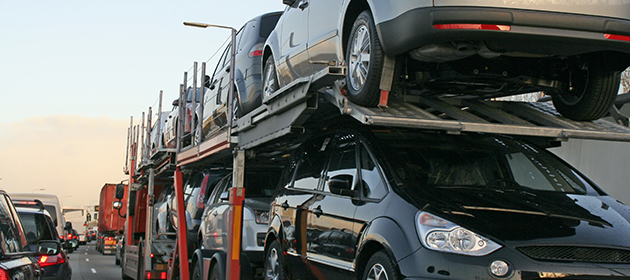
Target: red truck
(110, 223)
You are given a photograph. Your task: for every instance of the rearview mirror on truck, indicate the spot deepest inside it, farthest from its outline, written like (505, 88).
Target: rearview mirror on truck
(120, 191)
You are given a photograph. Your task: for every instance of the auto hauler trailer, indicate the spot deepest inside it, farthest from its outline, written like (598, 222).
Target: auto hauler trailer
(269, 132)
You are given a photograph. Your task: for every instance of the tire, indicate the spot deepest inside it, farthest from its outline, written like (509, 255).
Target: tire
(364, 57)
(380, 267)
(196, 272)
(215, 273)
(270, 79)
(274, 262)
(594, 92)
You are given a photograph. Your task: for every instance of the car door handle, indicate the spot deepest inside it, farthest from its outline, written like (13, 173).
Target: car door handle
(318, 211)
(285, 205)
(303, 5)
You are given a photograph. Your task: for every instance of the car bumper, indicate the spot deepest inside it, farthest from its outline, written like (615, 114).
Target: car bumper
(427, 264)
(538, 32)
(57, 272)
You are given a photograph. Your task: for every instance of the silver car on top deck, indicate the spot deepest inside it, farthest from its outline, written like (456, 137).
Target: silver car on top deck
(572, 50)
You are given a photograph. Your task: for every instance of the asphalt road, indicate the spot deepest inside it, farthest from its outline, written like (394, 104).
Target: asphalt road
(88, 264)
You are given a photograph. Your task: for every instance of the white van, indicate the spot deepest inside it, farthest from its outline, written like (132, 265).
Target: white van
(51, 203)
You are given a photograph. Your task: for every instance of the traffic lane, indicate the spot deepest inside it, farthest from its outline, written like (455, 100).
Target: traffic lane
(89, 264)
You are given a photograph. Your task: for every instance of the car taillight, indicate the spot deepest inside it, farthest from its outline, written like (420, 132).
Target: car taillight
(617, 37)
(256, 50)
(51, 260)
(69, 236)
(109, 238)
(473, 26)
(4, 275)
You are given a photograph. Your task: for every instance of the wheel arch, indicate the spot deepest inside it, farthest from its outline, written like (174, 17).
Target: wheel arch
(383, 234)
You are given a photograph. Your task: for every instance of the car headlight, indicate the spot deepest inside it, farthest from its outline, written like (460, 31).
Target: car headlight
(262, 217)
(441, 235)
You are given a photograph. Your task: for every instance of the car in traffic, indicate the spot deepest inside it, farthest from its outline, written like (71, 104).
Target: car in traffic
(197, 189)
(51, 203)
(38, 226)
(17, 261)
(250, 40)
(571, 51)
(260, 186)
(169, 128)
(415, 204)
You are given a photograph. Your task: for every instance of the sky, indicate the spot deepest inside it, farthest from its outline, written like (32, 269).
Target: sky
(72, 73)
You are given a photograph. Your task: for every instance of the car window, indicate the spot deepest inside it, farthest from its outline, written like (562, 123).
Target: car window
(267, 24)
(372, 182)
(261, 183)
(239, 36)
(482, 162)
(343, 163)
(36, 227)
(12, 239)
(311, 164)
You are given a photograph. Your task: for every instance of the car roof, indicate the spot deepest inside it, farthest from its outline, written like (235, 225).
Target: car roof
(29, 210)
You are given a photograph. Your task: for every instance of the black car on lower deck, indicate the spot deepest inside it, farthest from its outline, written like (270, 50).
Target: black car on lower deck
(407, 204)
(16, 259)
(38, 226)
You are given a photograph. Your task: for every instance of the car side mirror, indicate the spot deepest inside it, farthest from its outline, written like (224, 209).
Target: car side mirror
(289, 2)
(206, 81)
(176, 102)
(48, 247)
(225, 196)
(120, 191)
(340, 185)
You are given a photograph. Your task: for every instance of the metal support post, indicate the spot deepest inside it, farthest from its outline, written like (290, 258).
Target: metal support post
(237, 196)
(193, 110)
(182, 242)
(201, 107)
(158, 135)
(149, 229)
(231, 95)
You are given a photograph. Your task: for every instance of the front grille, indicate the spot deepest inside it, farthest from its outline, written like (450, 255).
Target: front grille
(577, 254)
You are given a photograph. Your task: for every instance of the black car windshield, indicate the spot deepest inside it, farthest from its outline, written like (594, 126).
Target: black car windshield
(436, 160)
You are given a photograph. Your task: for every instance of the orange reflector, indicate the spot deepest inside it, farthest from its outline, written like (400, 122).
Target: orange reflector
(473, 26)
(617, 37)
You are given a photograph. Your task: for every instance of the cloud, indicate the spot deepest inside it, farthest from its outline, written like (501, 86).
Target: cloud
(67, 155)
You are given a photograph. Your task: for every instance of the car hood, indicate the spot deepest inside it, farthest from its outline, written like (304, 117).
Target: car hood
(258, 203)
(529, 216)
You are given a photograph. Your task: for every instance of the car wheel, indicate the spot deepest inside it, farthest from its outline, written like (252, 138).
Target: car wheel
(274, 262)
(590, 93)
(270, 79)
(380, 267)
(364, 58)
(196, 273)
(215, 273)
